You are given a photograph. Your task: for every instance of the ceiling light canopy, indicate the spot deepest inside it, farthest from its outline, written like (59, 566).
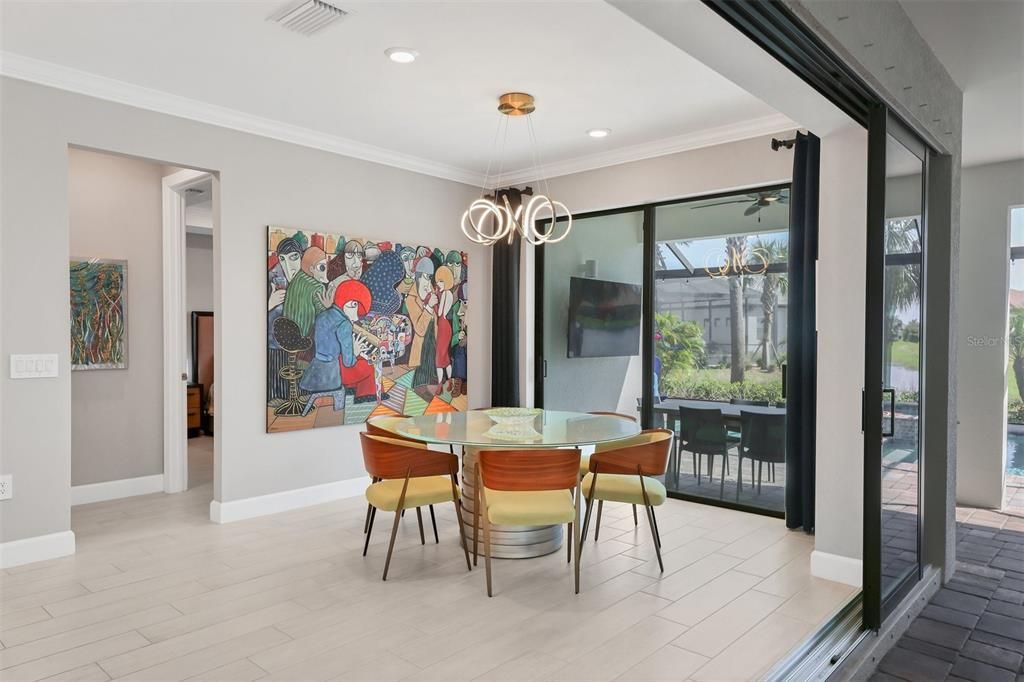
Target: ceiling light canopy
(492, 217)
(599, 132)
(401, 55)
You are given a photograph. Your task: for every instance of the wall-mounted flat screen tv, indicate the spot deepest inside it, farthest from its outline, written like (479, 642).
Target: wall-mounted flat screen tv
(604, 318)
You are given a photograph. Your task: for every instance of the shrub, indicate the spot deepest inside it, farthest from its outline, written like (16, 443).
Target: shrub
(699, 388)
(1015, 412)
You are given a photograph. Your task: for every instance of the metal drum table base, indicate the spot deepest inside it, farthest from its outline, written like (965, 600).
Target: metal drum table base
(507, 542)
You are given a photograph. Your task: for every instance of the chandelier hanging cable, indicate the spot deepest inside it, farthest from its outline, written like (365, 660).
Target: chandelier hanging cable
(505, 220)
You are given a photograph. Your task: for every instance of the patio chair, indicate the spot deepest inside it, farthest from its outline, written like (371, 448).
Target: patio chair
(703, 432)
(755, 403)
(762, 440)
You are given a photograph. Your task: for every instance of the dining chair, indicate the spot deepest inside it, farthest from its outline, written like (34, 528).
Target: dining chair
(527, 488)
(628, 474)
(585, 459)
(762, 440)
(702, 432)
(406, 475)
(754, 403)
(384, 426)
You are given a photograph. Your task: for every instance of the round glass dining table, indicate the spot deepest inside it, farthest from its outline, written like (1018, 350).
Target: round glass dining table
(476, 431)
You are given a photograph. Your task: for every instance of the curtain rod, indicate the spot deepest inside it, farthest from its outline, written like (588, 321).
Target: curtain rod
(778, 144)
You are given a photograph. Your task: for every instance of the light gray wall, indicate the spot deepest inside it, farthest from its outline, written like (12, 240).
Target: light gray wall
(588, 384)
(842, 255)
(198, 272)
(261, 182)
(988, 193)
(114, 206)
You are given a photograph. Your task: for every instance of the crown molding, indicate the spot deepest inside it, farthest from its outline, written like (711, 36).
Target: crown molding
(17, 66)
(24, 68)
(734, 132)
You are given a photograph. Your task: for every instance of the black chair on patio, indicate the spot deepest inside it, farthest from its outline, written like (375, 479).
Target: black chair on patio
(762, 440)
(702, 432)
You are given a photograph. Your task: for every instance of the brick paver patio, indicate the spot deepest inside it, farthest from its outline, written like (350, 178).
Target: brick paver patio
(973, 628)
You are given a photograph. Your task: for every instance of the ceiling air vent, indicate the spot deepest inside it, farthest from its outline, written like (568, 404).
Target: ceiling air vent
(307, 16)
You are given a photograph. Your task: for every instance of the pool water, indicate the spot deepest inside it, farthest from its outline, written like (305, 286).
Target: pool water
(1015, 454)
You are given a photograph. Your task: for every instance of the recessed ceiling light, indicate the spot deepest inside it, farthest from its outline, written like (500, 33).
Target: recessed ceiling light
(599, 132)
(401, 55)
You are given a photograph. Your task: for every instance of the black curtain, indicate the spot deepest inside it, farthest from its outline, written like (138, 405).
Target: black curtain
(505, 314)
(801, 337)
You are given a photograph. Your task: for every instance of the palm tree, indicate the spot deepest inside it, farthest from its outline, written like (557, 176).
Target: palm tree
(1017, 347)
(736, 248)
(772, 284)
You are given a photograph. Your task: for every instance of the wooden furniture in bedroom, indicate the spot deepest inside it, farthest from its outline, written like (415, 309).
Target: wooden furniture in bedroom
(194, 409)
(202, 362)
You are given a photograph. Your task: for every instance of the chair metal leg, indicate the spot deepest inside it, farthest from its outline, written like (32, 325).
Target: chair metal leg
(391, 543)
(636, 521)
(721, 485)
(476, 523)
(739, 477)
(568, 544)
(419, 520)
(366, 523)
(577, 541)
(711, 468)
(654, 536)
(487, 552)
(657, 531)
(462, 530)
(700, 462)
(586, 519)
(597, 526)
(433, 522)
(759, 464)
(369, 527)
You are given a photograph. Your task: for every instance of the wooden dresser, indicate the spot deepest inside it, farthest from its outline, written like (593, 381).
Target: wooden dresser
(194, 409)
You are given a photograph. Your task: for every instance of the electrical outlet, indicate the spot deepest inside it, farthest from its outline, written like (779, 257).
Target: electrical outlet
(6, 487)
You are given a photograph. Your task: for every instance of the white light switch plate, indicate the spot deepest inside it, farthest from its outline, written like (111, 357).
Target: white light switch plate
(39, 366)
(6, 487)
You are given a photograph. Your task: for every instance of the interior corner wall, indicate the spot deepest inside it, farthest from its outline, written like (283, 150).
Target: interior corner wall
(115, 212)
(842, 259)
(261, 181)
(988, 192)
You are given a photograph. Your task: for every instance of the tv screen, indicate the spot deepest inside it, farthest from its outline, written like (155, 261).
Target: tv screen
(604, 318)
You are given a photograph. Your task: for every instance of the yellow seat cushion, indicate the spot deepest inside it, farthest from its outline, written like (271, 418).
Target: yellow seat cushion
(423, 490)
(624, 488)
(584, 465)
(529, 507)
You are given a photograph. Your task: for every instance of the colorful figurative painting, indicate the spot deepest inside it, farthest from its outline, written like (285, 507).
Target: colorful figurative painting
(99, 331)
(359, 328)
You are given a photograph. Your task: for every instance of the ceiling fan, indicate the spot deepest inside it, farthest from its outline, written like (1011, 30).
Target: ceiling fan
(756, 201)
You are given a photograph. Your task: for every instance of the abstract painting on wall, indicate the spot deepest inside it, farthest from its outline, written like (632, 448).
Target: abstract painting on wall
(359, 328)
(99, 330)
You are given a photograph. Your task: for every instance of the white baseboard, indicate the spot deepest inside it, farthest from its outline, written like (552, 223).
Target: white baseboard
(38, 548)
(251, 507)
(114, 490)
(837, 568)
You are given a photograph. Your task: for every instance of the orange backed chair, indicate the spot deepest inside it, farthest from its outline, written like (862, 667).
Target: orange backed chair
(627, 474)
(527, 488)
(407, 475)
(601, 447)
(383, 426)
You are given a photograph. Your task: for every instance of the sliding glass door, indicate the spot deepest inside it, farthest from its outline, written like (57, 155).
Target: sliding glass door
(720, 301)
(590, 305)
(893, 433)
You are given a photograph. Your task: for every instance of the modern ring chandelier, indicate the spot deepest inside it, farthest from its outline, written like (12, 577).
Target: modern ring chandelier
(505, 221)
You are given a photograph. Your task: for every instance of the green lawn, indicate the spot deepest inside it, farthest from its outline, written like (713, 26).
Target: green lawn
(906, 354)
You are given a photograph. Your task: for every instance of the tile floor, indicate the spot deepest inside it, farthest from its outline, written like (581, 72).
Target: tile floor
(157, 592)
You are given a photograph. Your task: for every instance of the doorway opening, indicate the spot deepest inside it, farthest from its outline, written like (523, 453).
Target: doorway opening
(1013, 479)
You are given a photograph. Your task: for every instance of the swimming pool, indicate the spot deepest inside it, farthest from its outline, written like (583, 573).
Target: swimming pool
(1015, 454)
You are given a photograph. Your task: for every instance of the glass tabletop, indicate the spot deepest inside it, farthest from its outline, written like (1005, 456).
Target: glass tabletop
(550, 428)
